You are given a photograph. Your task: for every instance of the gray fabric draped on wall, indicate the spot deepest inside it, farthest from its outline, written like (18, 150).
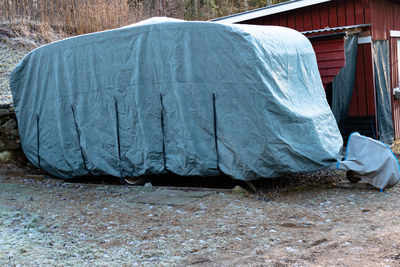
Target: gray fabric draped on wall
(343, 83)
(382, 86)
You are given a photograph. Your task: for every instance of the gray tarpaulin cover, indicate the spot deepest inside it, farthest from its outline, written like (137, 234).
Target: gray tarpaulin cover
(372, 161)
(192, 98)
(380, 53)
(343, 83)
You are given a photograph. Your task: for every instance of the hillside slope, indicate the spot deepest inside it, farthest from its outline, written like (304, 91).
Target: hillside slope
(9, 58)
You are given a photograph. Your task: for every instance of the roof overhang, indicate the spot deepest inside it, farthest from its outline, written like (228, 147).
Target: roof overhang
(329, 36)
(353, 28)
(269, 10)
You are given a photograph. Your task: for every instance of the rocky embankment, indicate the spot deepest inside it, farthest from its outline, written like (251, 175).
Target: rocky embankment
(9, 136)
(12, 49)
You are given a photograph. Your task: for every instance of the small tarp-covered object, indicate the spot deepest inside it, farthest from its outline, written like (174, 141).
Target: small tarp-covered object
(370, 161)
(192, 98)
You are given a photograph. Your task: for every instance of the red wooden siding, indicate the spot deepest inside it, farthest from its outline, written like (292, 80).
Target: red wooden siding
(369, 78)
(395, 83)
(363, 100)
(307, 19)
(331, 14)
(350, 19)
(315, 20)
(341, 12)
(291, 23)
(358, 12)
(385, 17)
(330, 57)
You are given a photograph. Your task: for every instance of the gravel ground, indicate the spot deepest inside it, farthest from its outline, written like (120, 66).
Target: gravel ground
(53, 223)
(9, 58)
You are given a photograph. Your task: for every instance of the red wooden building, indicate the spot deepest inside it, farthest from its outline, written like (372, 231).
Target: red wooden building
(328, 24)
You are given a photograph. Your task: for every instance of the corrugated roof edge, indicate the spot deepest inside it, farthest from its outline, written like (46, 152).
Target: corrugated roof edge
(338, 28)
(268, 10)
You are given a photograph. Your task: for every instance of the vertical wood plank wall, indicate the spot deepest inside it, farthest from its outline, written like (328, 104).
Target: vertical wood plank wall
(385, 16)
(331, 14)
(330, 58)
(363, 100)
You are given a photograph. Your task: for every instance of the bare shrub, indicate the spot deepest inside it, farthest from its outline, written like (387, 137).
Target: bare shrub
(71, 16)
(85, 16)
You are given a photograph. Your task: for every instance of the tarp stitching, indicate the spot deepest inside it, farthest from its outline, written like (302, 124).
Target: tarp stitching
(122, 180)
(162, 132)
(79, 138)
(38, 139)
(215, 130)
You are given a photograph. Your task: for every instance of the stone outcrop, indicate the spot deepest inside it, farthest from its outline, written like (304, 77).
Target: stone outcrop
(10, 146)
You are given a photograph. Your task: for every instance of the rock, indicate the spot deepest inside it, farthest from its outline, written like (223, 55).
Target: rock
(291, 250)
(239, 190)
(262, 198)
(5, 106)
(6, 33)
(10, 124)
(148, 185)
(319, 241)
(5, 156)
(4, 112)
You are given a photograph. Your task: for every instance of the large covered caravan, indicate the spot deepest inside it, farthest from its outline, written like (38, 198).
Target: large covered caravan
(192, 98)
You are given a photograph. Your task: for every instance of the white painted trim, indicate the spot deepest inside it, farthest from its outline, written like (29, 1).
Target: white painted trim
(261, 12)
(394, 33)
(364, 40)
